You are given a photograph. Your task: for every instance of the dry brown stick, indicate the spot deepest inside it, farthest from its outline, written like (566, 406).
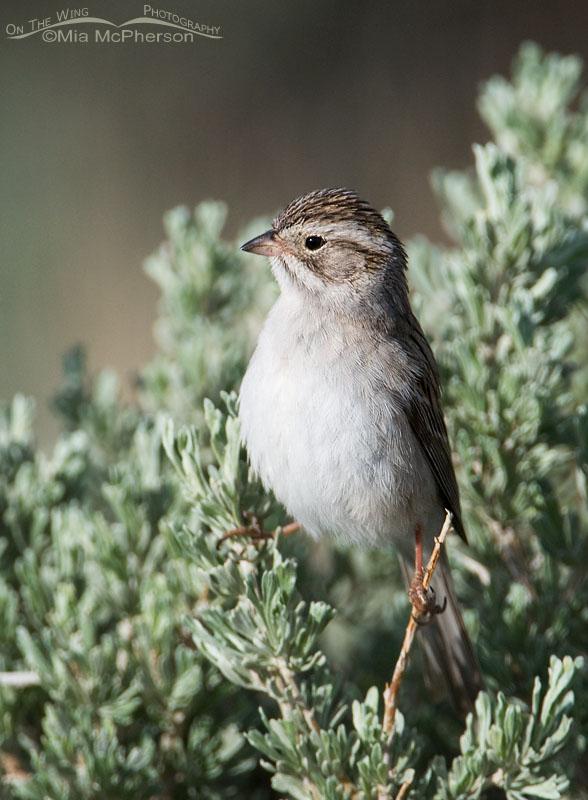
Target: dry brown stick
(403, 789)
(391, 690)
(286, 682)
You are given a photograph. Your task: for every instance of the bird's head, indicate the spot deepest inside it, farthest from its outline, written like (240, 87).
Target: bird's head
(332, 245)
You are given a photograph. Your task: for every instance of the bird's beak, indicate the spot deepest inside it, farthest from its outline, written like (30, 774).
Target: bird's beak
(267, 244)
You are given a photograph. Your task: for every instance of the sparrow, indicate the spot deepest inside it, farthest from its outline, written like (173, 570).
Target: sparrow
(340, 406)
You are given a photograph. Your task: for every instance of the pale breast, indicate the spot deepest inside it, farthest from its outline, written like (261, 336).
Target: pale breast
(326, 434)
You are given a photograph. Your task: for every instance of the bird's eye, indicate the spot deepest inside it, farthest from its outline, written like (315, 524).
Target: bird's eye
(314, 242)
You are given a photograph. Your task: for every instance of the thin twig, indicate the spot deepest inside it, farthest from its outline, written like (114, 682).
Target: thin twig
(286, 683)
(290, 686)
(404, 789)
(391, 690)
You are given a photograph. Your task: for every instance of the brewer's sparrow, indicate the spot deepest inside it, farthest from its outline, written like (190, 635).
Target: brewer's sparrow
(340, 406)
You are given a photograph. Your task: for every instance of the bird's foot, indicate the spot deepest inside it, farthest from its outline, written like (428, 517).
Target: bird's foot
(254, 530)
(423, 600)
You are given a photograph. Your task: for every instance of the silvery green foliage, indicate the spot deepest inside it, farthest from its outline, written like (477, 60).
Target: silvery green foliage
(507, 745)
(213, 298)
(152, 639)
(94, 602)
(506, 290)
(504, 330)
(541, 116)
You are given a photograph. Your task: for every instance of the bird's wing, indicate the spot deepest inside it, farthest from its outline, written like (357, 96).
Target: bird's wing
(423, 407)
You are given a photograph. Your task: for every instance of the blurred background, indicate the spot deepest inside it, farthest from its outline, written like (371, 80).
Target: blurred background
(97, 141)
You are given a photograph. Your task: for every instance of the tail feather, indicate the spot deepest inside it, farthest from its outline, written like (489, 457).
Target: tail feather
(449, 654)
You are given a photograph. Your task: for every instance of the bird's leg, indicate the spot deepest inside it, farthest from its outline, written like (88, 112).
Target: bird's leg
(423, 600)
(417, 594)
(254, 529)
(418, 551)
(291, 527)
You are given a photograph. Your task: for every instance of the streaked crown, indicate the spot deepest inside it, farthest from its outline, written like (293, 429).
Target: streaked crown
(332, 206)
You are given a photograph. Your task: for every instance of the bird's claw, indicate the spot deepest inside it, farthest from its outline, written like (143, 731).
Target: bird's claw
(423, 601)
(253, 529)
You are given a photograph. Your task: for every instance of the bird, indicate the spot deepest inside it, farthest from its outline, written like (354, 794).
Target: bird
(340, 405)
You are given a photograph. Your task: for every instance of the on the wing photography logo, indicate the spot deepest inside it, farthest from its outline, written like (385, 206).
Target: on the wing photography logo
(76, 26)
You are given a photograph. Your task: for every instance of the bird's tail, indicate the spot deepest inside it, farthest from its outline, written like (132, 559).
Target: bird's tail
(448, 650)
